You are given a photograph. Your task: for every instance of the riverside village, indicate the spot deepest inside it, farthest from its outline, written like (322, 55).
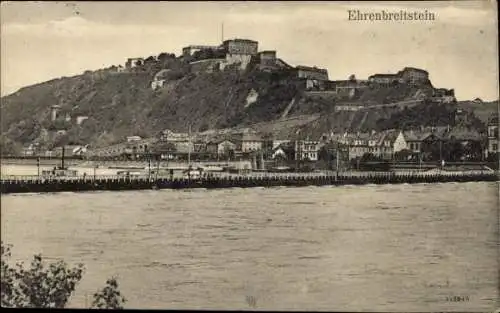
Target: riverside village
(342, 140)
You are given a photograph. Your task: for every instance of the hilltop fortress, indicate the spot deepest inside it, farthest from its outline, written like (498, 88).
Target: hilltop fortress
(236, 53)
(242, 54)
(351, 94)
(406, 88)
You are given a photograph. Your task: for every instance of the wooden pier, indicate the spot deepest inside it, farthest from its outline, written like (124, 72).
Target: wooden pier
(33, 184)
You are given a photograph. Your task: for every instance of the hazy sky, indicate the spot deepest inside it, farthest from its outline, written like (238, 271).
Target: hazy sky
(45, 40)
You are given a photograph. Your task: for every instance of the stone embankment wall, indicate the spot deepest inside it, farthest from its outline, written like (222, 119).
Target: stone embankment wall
(116, 183)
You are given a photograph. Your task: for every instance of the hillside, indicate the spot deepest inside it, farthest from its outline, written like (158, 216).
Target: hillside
(424, 114)
(123, 104)
(482, 110)
(111, 105)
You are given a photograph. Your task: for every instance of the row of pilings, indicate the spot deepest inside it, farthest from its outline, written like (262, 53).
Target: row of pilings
(74, 185)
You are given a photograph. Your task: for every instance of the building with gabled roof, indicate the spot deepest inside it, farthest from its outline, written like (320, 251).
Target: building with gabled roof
(221, 147)
(309, 72)
(248, 142)
(285, 151)
(493, 137)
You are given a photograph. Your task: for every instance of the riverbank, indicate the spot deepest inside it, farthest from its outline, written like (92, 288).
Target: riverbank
(122, 164)
(35, 185)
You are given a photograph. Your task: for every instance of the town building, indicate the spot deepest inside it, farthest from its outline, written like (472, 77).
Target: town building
(414, 140)
(470, 139)
(239, 52)
(135, 147)
(70, 151)
(207, 65)
(409, 75)
(431, 146)
(443, 92)
(312, 73)
(199, 146)
(391, 142)
(134, 62)
(120, 69)
(461, 116)
(307, 149)
(221, 147)
(283, 65)
(357, 144)
(53, 112)
(170, 136)
(29, 150)
(382, 144)
(190, 50)
(248, 142)
(240, 46)
(267, 60)
(353, 106)
(80, 119)
(346, 88)
(283, 151)
(277, 142)
(414, 76)
(425, 139)
(181, 141)
(164, 150)
(133, 138)
(159, 79)
(493, 140)
(385, 79)
(80, 151)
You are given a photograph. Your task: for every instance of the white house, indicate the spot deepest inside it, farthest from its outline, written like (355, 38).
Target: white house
(307, 149)
(133, 139)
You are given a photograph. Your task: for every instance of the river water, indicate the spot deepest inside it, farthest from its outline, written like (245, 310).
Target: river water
(350, 248)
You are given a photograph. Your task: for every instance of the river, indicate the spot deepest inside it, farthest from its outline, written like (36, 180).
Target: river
(350, 248)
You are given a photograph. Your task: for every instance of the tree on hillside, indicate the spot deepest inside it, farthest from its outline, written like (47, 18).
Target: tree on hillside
(41, 286)
(452, 150)
(61, 140)
(403, 155)
(205, 54)
(369, 157)
(474, 150)
(165, 56)
(352, 77)
(9, 147)
(26, 130)
(150, 60)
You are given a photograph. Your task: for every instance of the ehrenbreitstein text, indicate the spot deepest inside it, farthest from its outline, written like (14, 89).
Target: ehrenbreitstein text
(383, 15)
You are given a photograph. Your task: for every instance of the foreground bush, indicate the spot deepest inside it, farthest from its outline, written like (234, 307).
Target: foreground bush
(51, 286)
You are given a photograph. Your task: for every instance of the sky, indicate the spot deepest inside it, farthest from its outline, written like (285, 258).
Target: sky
(46, 40)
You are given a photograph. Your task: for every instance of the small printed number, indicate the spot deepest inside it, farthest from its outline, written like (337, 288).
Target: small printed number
(457, 298)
